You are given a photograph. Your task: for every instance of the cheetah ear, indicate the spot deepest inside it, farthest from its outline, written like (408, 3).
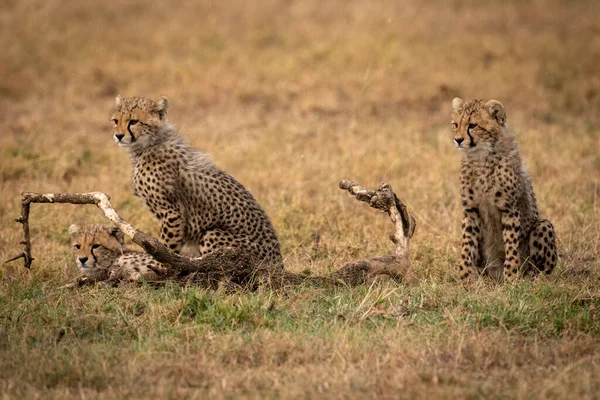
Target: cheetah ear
(496, 110)
(118, 100)
(457, 104)
(73, 229)
(116, 232)
(161, 106)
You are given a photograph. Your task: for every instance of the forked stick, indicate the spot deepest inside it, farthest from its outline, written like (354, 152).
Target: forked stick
(385, 200)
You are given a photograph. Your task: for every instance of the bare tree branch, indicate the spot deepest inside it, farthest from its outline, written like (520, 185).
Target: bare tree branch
(384, 199)
(235, 265)
(150, 244)
(230, 264)
(26, 242)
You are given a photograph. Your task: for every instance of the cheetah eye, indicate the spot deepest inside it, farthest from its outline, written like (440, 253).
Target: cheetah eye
(454, 125)
(77, 246)
(95, 246)
(472, 126)
(133, 122)
(115, 121)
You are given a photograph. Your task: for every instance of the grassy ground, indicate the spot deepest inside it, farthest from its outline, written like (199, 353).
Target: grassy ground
(290, 97)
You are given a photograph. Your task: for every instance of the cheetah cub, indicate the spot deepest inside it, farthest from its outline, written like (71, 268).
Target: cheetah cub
(501, 230)
(99, 254)
(196, 203)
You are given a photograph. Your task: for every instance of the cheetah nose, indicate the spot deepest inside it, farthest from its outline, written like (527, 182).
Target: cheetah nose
(83, 259)
(119, 136)
(459, 140)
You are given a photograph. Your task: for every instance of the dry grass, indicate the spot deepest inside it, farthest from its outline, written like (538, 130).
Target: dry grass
(290, 97)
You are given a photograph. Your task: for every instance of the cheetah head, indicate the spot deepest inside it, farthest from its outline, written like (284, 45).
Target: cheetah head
(477, 124)
(95, 246)
(139, 122)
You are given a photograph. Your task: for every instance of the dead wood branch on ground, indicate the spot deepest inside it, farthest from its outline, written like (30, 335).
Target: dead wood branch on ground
(150, 244)
(235, 265)
(230, 264)
(397, 266)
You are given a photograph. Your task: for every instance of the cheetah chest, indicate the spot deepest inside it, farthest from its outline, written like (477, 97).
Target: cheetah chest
(148, 184)
(481, 189)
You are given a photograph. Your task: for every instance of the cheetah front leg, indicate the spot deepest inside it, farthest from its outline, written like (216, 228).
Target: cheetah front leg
(511, 227)
(542, 247)
(470, 256)
(172, 228)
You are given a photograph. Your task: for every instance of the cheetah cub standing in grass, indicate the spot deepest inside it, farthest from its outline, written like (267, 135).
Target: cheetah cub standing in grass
(196, 202)
(501, 230)
(99, 254)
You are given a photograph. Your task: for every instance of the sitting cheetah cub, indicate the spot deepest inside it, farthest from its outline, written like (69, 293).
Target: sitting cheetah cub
(196, 202)
(99, 254)
(501, 229)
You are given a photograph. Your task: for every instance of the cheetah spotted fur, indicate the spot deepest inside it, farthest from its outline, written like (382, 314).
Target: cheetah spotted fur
(98, 251)
(195, 202)
(502, 234)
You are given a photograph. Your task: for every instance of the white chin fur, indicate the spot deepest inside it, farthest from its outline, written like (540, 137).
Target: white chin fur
(86, 271)
(84, 268)
(120, 142)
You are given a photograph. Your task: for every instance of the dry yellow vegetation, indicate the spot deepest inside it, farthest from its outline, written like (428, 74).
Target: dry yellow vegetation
(290, 97)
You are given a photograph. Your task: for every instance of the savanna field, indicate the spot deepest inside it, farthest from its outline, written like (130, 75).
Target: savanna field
(290, 97)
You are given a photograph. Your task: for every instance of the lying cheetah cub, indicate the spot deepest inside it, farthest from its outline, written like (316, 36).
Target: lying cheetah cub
(501, 230)
(99, 253)
(195, 201)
